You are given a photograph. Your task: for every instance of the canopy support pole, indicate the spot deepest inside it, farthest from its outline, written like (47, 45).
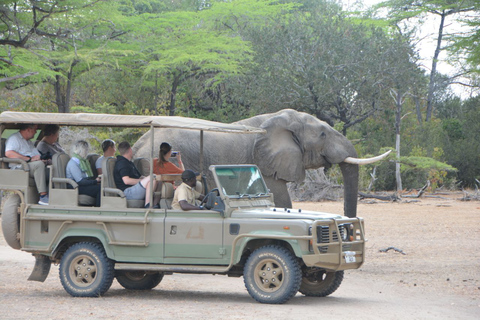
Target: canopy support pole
(152, 147)
(201, 152)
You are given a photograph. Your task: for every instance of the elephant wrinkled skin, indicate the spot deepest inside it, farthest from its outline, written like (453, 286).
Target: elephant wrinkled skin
(294, 141)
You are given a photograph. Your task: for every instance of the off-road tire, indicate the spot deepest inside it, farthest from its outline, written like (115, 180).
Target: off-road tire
(321, 283)
(138, 280)
(11, 221)
(272, 274)
(86, 271)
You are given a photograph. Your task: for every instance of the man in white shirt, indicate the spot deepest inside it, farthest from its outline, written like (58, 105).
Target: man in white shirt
(19, 146)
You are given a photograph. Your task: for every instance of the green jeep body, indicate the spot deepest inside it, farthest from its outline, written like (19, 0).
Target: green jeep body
(279, 251)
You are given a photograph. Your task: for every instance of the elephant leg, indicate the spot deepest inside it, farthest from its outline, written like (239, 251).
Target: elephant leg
(280, 192)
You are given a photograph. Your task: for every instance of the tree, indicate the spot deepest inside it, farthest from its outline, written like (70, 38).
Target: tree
(53, 40)
(322, 63)
(201, 44)
(404, 10)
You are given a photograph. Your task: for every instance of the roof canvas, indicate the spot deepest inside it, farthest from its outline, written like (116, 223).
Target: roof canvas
(10, 118)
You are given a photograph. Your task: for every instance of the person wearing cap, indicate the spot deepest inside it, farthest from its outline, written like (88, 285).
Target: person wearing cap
(185, 196)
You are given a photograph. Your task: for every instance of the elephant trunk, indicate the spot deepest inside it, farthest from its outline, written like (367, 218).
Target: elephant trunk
(350, 182)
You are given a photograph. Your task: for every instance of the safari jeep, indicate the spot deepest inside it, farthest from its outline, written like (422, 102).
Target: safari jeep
(278, 251)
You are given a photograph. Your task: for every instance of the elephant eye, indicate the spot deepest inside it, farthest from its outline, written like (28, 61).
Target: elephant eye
(323, 135)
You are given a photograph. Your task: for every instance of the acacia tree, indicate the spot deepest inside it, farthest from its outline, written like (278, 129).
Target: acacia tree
(53, 40)
(201, 44)
(404, 10)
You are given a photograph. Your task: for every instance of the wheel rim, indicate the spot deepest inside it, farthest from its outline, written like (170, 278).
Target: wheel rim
(83, 271)
(269, 275)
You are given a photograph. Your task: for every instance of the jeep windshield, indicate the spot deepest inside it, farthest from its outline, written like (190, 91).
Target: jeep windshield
(242, 181)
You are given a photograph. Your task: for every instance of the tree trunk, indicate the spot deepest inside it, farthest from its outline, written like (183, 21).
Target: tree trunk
(59, 98)
(173, 94)
(433, 72)
(155, 101)
(398, 120)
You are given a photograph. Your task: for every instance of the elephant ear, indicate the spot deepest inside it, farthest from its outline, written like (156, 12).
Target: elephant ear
(278, 152)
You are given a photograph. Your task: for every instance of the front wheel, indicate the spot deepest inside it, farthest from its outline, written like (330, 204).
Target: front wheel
(272, 274)
(86, 271)
(320, 283)
(138, 280)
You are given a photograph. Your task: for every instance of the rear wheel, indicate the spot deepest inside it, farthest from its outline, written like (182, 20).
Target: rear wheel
(272, 274)
(319, 283)
(86, 271)
(138, 280)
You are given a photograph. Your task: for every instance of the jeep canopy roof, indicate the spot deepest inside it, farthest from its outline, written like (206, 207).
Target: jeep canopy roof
(10, 119)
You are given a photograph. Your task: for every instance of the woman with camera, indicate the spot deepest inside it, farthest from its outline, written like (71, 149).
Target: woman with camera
(162, 165)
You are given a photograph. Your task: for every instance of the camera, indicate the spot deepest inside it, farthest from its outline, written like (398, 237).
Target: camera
(174, 154)
(45, 156)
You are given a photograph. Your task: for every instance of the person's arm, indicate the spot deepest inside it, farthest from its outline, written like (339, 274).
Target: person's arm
(180, 163)
(74, 172)
(15, 155)
(187, 206)
(130, 181)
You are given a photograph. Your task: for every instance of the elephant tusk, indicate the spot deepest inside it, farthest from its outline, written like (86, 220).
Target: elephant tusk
(368, 160)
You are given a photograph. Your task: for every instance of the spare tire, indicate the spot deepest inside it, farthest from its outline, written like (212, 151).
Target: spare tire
(11, 221)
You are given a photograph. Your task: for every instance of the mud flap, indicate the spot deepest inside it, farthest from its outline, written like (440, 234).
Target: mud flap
(41, 269)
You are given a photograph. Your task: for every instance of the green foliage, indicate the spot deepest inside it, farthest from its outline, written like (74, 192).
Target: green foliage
(424, 163)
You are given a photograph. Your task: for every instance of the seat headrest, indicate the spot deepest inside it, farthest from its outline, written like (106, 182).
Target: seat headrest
(92, 159)
(167, 190)
(142, 165)
(199, 187)
(59, 167)
(107, 171)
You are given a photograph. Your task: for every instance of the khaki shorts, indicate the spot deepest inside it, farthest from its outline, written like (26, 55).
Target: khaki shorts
(136, 192)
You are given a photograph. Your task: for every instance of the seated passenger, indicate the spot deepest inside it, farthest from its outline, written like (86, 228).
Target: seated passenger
(48, 146)
(108, 147)
(79, 169)
(19, 146)
(128, 179)
(185, 196)
(161, 165)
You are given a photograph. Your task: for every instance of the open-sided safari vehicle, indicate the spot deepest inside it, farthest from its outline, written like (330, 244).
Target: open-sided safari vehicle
(278, 251)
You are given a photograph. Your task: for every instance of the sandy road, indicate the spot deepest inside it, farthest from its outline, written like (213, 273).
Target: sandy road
(438, 278)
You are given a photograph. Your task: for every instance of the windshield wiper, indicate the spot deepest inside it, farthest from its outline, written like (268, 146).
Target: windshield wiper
(261, 194)
(243, 195)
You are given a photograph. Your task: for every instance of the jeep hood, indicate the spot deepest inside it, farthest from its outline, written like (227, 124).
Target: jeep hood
(281, 213)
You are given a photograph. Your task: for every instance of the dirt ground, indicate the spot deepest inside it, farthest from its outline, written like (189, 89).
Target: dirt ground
(438, 277)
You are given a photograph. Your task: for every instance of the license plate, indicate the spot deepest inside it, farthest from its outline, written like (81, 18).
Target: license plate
(350, 257)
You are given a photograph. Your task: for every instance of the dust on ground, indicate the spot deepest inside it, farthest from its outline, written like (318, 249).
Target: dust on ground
(438, 277)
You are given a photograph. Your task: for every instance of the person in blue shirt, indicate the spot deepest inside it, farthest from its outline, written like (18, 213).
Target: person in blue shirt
(79, 169)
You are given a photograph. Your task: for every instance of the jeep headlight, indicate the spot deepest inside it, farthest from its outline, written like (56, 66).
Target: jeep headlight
(347, 230)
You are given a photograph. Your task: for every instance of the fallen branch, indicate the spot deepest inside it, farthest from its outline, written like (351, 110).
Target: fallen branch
(421, 192)
(393, 197)
(392, 248)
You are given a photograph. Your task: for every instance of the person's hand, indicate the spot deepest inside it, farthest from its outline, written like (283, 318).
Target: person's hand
(35, 158)
(99, 179)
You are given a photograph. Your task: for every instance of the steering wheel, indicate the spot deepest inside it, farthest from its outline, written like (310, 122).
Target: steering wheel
(209, 199)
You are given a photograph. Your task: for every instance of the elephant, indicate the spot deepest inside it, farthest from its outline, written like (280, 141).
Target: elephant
(294, 141)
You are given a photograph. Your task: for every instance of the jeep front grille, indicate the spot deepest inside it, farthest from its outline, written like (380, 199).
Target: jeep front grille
(323, 236)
